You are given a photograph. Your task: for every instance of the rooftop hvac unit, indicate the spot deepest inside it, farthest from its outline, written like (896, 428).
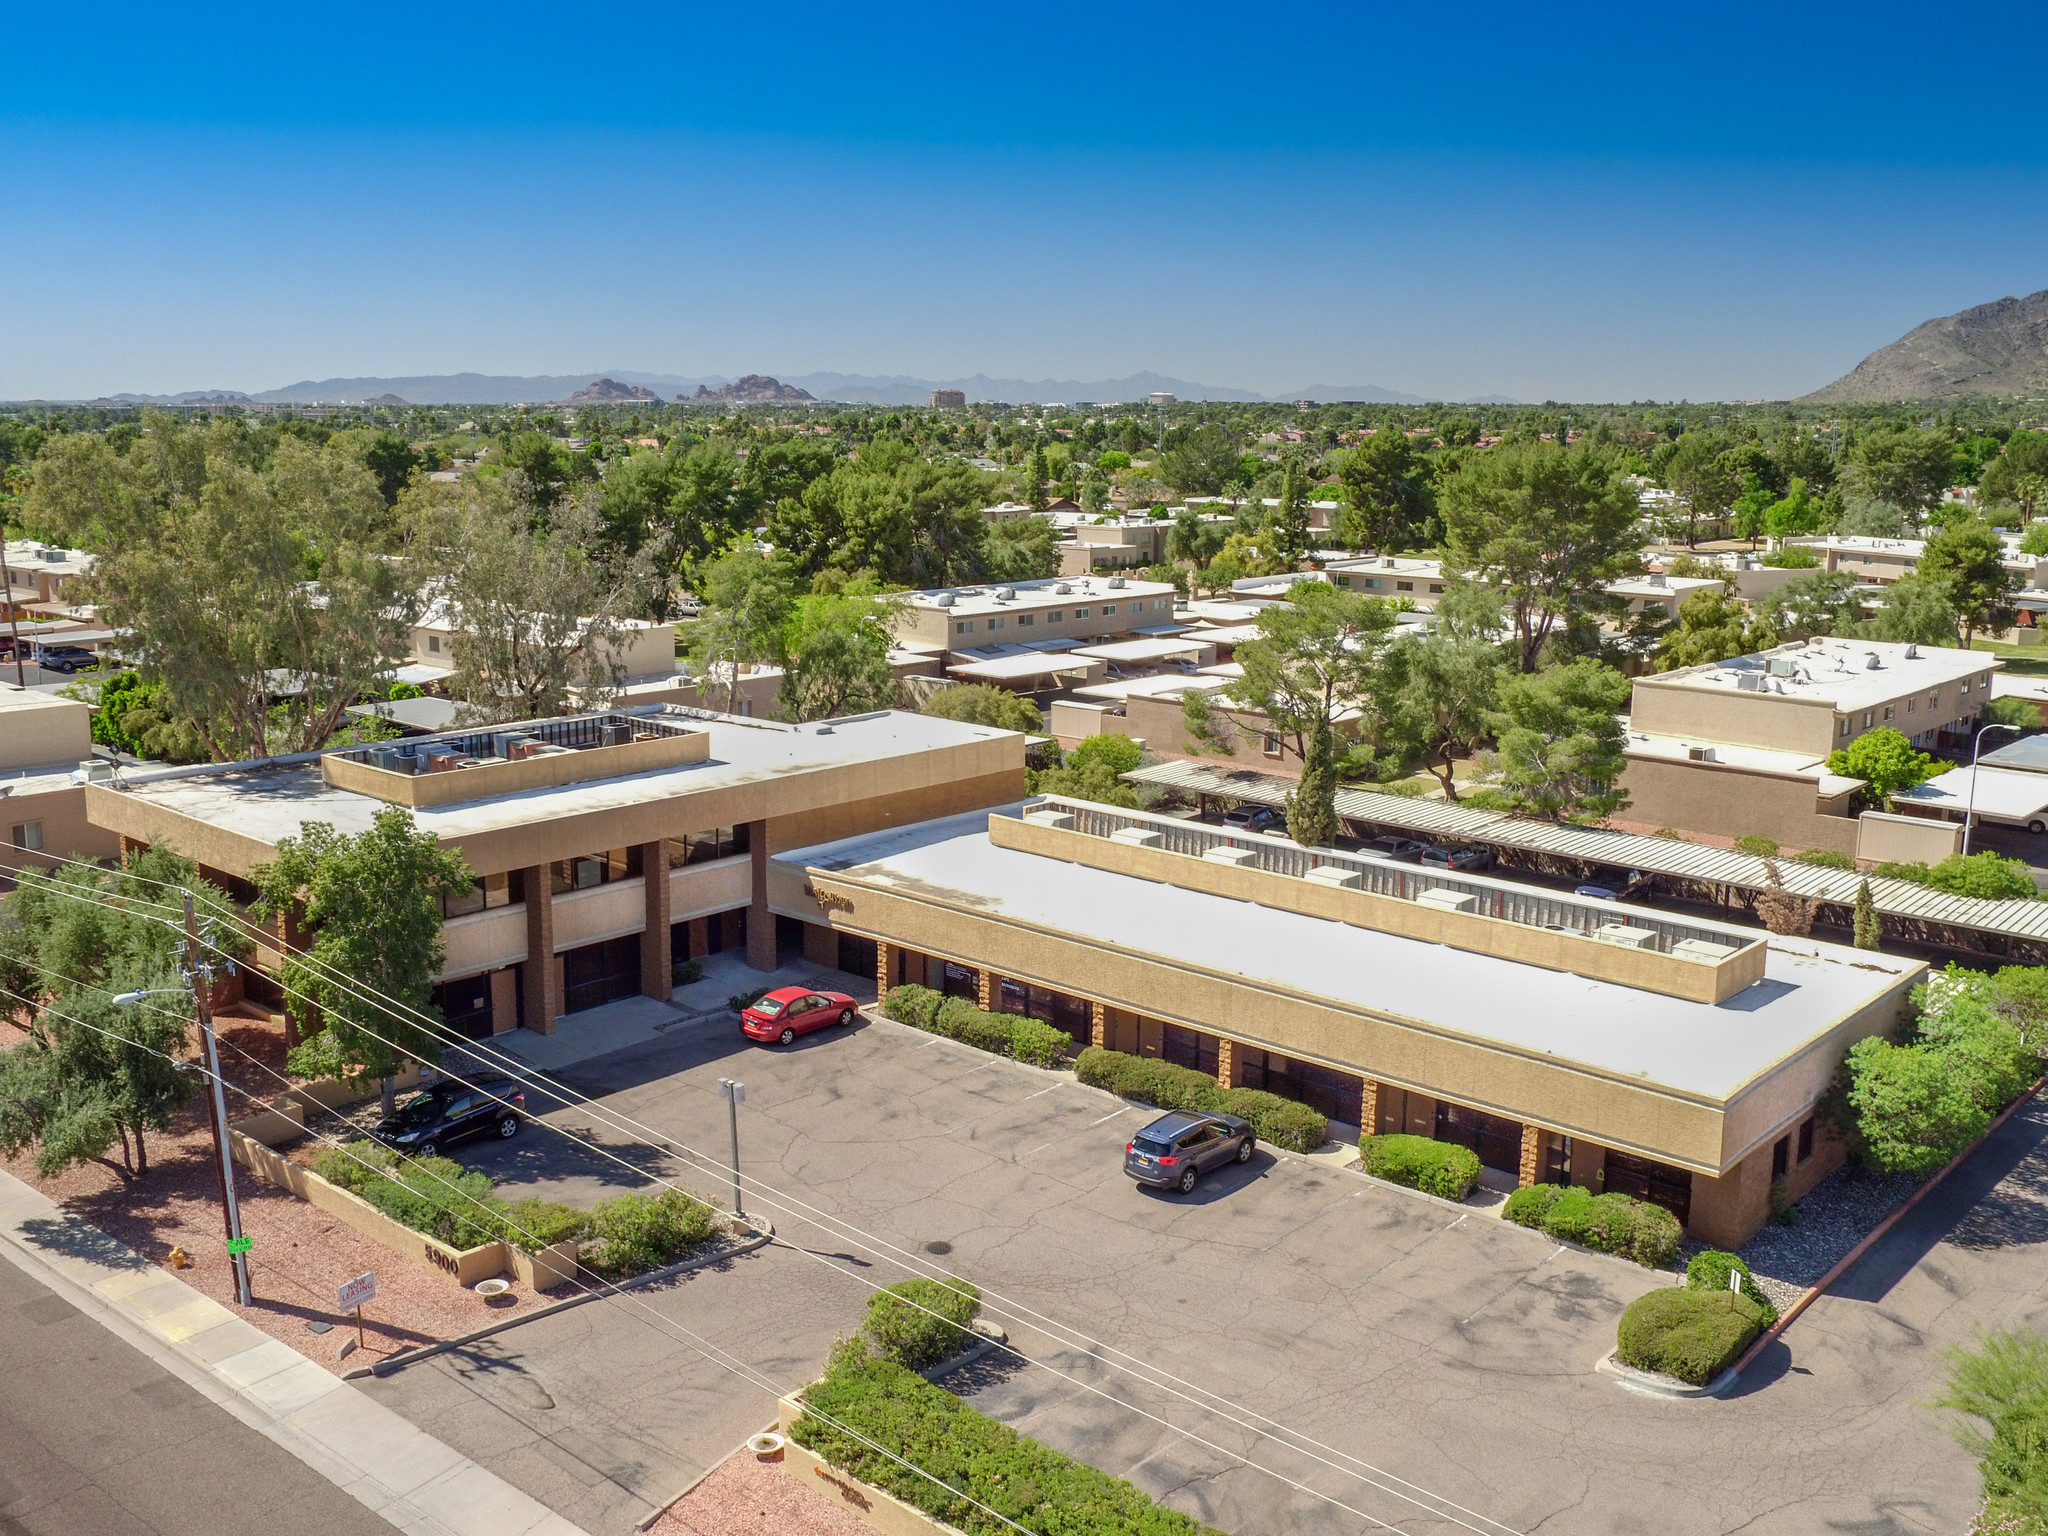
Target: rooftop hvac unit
(617, 734)
(944, 599)
(1236, 858)
(1779, 666)
(1656, 579)
(1062, 588)
(1062, 821)
(1912, 651)
(1749, 682)
(1005, 594)
(1870, 661)
(389, 761)
(1441, 898)
(1627, 936)
(1115, 582)
(1336, 876)
(1700, 754)
(1136, 837)
(1703, 950)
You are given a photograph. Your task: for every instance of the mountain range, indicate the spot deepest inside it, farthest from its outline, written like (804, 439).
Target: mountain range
(2000, 348)
(854, 388)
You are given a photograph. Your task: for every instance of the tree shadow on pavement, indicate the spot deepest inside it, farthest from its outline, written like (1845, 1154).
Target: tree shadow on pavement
(76, 1239)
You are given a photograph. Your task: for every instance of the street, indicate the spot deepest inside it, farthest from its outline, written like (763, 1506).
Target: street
(1437, 1345)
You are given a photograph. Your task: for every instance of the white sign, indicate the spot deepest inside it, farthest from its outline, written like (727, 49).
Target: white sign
(728, 1089)
(358, 1292)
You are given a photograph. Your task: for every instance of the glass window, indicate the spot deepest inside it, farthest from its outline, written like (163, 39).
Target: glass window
(965, 628)
(1404, 586)
(462, 906)
(1343, 581)
(1053, 617)
(27, 836)
(1806, 1138)
(1024, 619)
(1108, 609)
(1080, 613)
(1436, 586)
(1890, 710)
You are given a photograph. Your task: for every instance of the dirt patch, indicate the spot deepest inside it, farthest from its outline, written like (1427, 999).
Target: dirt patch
(744, 1496)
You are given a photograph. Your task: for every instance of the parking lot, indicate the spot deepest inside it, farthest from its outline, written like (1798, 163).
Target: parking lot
(1434, 1344)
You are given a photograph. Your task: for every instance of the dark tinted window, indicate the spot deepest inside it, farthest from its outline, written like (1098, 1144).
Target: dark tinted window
(1152, 1146)
(1200, 1136)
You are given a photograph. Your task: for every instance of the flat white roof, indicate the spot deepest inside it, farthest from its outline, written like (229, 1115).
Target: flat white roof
(1679, 749)
(1030, 664)
(1166, 683)
(270, 803)
(1837, 672)
(1707, 1050)
(2012, 793)
(1146, 650)
(1052, 591)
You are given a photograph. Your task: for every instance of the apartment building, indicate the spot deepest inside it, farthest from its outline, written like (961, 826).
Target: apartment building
(646, 650)
(1119, 544)
(46, 574)
(608, 847)
(46, 754)
(1077, 608)
(1880, 562)
(1562, 1039)
(1741, 746)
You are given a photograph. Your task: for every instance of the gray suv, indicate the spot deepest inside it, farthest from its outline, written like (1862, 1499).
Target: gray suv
(1177, 1149)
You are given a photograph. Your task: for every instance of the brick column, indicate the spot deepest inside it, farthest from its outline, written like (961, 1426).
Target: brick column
(1098, 1024)
(991, 990)
(760, 921)
(1532, 1154)
(657, 974)
(885, 963)
(543, 997)
(1226, 1061)
(700, 937)
(1369, 1108)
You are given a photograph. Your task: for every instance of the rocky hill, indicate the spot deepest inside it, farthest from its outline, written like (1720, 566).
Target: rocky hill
(1995, 349)
(607, 391)
(753, 389)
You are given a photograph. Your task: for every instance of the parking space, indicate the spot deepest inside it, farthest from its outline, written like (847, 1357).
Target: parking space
(1435, 1344)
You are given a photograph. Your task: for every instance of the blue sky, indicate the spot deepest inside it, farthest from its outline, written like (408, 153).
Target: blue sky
(1590, 204)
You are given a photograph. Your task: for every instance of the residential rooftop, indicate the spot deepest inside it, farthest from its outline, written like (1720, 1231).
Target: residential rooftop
(1848, 674)
(1002, 597)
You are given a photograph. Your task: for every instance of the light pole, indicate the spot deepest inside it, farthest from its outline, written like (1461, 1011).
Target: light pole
(200, 974)
(1970, 811)
(734, 1094)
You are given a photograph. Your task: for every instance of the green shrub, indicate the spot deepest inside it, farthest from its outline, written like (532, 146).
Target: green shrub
(1693, 1335)
(1276, 1121)
(1758, 844)
(1824, 858)
(434, 1195)
(1434, 1167)
(636, 1233)
(688, 973)
(913, 1005)
(534, 1224)
(901, 1327)
(1531, 1207)
(740, 1002)
(1990, 876)
(972, 1460)
(1793, 557)
(1710, 1269)
(1614, 1223)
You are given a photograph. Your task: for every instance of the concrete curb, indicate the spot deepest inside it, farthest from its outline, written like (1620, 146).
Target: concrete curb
(372, 1453)
(981, 1350)
(763, 1236)
(1870, 1239)
(1662, 1386)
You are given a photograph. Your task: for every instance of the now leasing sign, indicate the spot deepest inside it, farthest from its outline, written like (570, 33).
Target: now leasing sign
(358, 1292)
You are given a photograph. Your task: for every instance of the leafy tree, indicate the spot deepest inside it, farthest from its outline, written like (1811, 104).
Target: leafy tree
(1201, 462)
(372, 905)
(2002, 1379)
(1906, 466)
(537, 609)
(748, 601)
(1916, 608)
(1969, 558)
(1885, 760)
(1712, 627)
(1092, 771)
(1034, 481)
(1701, 479)
(1208, 729)
(261, 602)
(546, 465)
(1821, 604)
(838, 657)
(1387, 494)
(1912, 1112)
(1796, 512)
(1020, 549)
(1447, 686)
(1559, 744)
(1547, 528)
(390, 458)
(1194, 538)
(2018, 477)
(981, 704)
(1312, 803)
(1751, 510)
(2035, 540)
(1987, 876)
(1869, 926)
(1286, 535)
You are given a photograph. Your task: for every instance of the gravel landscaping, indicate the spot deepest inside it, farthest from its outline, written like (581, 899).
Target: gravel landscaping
(1836, 1215)
(744, 1496)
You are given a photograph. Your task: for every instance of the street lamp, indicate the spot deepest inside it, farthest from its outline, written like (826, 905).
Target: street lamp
(200, 974)
(1970, 811)
(734, 1094)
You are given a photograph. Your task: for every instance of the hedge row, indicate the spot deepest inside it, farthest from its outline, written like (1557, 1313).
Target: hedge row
(1434, 1167)
(971, 1460)
(440, 1197)
(1278, 1122)
(1003, 1034)
(918, 1323)
(1691, 1334)
(1611, 1223)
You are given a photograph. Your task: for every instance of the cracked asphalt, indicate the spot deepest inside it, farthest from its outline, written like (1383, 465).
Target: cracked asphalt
(1377, 1359)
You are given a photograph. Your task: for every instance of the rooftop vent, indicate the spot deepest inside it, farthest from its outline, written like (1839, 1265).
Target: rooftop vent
(944, 599)
(1779, 666)
(1700, 754)
(1062, 588)
(1115, 582)
(1386, 562)
(1870, 661)
(1005, 594)
(1627, 936)
(1656, 578)
(1441, 898)
(1749, 682)
(1912, 651)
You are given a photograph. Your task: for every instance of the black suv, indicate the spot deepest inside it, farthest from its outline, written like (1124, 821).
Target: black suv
(1177, 1149)
(438, 1117)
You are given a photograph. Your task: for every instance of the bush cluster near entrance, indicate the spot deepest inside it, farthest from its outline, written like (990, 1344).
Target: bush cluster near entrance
(983, 1477)
(1434, 1167)
(1611, 1223)
(1692, 1334)
(1004, 1034)
(1276, 1121)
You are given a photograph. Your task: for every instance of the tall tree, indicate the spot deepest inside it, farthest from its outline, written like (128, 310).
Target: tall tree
(1906, 466)
(1447, 685)
(260, 600)
(1034, 481)
(1287, 530)
(372, 904)
(1387, 493)
(1712, 627)
(1559, 744)
(837, 651)
(1970, 559)
(748, 599)
(1547, 528)
(1318, 657)
(1201, 461)
(2018, 477)
(1702, 479)
(537, 609)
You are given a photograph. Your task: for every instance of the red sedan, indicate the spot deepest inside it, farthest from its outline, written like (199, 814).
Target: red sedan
(787, 1012)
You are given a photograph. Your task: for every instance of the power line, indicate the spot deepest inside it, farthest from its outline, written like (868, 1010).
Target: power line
(839, 1229)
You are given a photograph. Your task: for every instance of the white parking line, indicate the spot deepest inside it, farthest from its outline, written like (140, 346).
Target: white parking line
(1075, 1132)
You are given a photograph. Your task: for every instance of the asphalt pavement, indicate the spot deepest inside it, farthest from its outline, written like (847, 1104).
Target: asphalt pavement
(96, 1439)
(1442, 1359)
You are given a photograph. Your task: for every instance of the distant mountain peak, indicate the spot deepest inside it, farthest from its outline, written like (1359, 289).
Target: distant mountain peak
(609, 391)
(2000, 348)
(753, 389)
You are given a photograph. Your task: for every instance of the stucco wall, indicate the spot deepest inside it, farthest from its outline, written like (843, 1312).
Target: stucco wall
(1731, 802)
(1664, 708)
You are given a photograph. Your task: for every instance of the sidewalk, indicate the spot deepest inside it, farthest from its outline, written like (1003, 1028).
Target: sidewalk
(381, 1459)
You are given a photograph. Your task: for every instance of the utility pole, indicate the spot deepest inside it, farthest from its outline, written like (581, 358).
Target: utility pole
(13, 616)
(734, 1094)
(202, 982)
